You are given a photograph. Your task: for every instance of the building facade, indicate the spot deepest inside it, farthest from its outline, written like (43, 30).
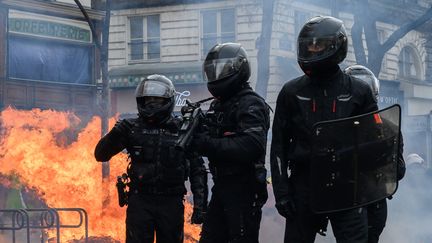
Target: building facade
(173, 38)
(48, 56)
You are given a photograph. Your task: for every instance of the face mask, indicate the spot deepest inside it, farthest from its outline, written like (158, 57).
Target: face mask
(320, 71)
(153, 105)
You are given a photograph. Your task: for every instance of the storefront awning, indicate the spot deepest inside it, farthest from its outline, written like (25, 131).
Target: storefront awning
(179, 73)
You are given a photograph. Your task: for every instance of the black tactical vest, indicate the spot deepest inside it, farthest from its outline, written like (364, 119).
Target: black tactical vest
(156, 166)
(221, 120)
(221, 117)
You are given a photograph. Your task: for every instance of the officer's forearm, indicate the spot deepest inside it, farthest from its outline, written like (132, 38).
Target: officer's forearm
(200, 192)
(281, 188)
(107, 147)
(198, 181)
(241, 148)
(279, 173)
(199, 199)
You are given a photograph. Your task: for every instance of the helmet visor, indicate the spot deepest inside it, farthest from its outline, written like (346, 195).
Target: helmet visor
(317, 48)
(217, 69)
(154, 88)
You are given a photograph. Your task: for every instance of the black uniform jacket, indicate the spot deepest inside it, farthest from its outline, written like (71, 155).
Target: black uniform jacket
(239, 129)
(156, 166)
(301, 103)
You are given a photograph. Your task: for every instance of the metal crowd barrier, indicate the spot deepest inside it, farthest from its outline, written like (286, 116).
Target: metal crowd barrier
(49, 218)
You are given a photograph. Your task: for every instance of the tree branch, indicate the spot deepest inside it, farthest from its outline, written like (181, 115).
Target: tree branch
(372, 42)
(375, 52)
(357, 39)
(404, 29)
(264, 46)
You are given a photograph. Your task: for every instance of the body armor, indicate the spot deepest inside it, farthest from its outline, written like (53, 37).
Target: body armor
(156, 167)
(235, 147)
(222, 121)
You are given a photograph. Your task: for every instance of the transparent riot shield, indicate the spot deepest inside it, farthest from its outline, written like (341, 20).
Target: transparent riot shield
(354, 160)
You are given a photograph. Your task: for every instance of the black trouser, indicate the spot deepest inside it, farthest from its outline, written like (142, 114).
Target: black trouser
(232, 216)
(349, 226)
(147, 214)
(377, 216)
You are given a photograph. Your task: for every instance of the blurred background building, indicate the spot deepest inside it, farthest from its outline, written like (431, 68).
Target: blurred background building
(49, 58)
(173, 37)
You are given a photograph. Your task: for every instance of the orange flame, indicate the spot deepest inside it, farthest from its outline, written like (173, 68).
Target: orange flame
(66, 175)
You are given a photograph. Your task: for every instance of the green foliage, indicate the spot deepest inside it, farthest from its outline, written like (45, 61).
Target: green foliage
(13, 199)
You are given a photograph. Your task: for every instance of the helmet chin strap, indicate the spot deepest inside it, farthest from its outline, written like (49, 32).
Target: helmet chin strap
(152, 120)
(321, 73)
(228, 91)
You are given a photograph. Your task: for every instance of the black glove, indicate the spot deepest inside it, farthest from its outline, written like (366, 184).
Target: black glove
(322, 225)
(286, 208)
(200, 142)
(123, 127)
(197, 216)
(261, 194)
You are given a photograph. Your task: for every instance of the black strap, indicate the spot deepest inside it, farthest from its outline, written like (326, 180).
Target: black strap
(149, 189)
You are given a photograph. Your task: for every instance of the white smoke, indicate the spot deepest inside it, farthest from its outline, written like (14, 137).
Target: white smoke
(409, 213)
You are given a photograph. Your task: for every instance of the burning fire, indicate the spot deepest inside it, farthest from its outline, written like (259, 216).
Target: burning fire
(36, 146)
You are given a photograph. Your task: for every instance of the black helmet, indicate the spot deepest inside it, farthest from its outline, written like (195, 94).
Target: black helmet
(226, 69)
(155, 98)
(321, 45)
(363, 73)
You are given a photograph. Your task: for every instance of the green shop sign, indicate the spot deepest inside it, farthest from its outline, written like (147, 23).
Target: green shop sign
(49, 29)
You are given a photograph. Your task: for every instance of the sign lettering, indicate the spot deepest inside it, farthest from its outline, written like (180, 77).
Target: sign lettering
(388, 100)
(181, 97)
(49, 29)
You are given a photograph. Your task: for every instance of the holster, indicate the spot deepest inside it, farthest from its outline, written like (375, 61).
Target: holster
(121, 190)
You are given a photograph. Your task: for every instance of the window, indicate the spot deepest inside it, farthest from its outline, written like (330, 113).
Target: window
(300, 19)
(285, 43)
(382, 37)
(49, 60)
(218, 26)
(409, 64)
(144, 38)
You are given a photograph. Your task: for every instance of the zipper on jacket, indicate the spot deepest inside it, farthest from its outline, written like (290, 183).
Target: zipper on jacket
(334, 106)
(313, 105)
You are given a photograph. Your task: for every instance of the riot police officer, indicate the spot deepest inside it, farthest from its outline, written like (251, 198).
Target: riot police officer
(323, 93)
(157, 171)
(235, 144)
(376, 212)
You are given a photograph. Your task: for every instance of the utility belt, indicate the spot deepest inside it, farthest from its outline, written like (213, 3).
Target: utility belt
(157, 190)
(126, 187)
(256, 171)
(254, 175)
(224, 171)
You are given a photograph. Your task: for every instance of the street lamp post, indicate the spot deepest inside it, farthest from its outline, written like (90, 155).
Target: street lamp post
(105, 104)
(105, 96)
